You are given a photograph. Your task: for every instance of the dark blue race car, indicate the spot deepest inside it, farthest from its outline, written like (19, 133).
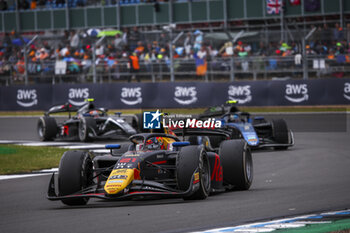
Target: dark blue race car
(257, 131)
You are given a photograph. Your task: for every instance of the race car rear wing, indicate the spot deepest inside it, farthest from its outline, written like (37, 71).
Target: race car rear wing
(67, 107)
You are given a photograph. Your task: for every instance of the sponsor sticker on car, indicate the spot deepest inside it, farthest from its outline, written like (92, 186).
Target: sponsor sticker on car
(196, 178)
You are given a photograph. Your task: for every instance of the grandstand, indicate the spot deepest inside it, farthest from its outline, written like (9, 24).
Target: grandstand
(83, 41)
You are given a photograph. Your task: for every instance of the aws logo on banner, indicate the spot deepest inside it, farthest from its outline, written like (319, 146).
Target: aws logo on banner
(241, 94)
(77, 96)
(27, 98)
(347, 91)
(131, 96)
(296, 93)
(185, 95)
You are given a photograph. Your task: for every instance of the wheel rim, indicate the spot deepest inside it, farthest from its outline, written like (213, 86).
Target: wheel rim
(41, 130)
(88, 175)
(82, 130)
(87, 178)
(205, 179)
(248, 167)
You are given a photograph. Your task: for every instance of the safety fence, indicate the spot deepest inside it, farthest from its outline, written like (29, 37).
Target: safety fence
(229, 69)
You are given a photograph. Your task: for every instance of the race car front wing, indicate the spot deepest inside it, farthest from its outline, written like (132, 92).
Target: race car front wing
(263, 143)
(138, 188)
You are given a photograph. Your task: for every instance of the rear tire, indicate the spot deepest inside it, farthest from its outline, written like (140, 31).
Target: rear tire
(237, 163)
(75, 174)
(189, 159)
(86, 125)
(47, 128)
(215, 141)
(280, 133)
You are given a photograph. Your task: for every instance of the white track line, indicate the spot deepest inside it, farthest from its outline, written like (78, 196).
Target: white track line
(36, 143)
(8, 177)
(273, 225)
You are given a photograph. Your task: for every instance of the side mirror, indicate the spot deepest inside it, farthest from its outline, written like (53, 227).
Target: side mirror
(112, 146)
(180, 144)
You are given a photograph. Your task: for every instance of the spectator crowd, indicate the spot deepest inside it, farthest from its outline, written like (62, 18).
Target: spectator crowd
(133, 51)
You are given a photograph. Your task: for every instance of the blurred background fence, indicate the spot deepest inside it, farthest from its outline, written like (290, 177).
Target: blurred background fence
(218, 69)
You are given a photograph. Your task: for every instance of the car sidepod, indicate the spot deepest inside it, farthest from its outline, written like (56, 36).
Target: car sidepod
(247, 131)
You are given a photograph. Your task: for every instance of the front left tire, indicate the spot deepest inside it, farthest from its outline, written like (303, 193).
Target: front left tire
(47, 128)
(280, 133)
(75, 173)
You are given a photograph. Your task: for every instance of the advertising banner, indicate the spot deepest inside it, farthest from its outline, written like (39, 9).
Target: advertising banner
(21, 98)
(179, 94)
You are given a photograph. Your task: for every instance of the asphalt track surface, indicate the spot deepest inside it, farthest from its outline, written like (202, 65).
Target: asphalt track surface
(312, 176)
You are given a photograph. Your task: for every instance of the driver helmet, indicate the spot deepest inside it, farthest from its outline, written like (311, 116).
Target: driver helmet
(91, 106)
(155, 143)
(94, 113)
(233, 118)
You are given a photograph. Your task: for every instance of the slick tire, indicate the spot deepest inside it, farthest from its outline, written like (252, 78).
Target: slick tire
(191, 159)
(123, 148)
(215, 141)
(280, 133)
(86, 126)
(193, 140)
(237, 164)
(75, 173)
(47, 128)
(137, 123)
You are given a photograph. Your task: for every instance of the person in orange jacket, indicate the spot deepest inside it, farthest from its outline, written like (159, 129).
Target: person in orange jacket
(134, 67)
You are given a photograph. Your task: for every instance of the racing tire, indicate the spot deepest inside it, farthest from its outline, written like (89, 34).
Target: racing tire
(47, 128)
(215, 141)
(280, 133)
(237, 164)
(123, 148)
(193, 140)
(86, 126)
(137, 123)
(189, 160)
(75, 173)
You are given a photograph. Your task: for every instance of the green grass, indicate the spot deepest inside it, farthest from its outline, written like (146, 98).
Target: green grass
(337, 226)
(22, 159)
